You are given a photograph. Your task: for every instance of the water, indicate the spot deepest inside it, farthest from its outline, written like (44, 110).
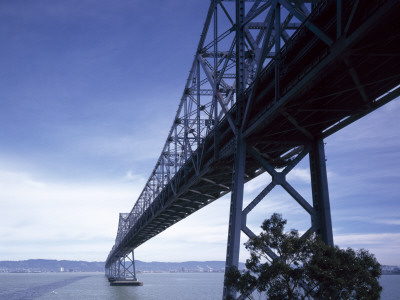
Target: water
(88, 286)
(165, 286)
(391, 287)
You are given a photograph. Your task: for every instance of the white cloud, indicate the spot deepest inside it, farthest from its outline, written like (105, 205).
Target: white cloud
(385, 246)
(48, 214)
(131, 147)
(10, 178)
(387, 221)
(301, 174)
(378, 218)
(257, 184)
(368, 239)
(200, 236)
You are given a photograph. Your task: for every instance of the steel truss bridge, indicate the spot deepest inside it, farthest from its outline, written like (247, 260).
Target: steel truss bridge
(270, 80)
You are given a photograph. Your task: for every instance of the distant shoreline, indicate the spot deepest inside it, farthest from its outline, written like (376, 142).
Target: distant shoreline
(44, 265)
(69, 266)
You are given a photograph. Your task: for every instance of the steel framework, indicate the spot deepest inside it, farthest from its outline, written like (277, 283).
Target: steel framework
(123, 268)
(269, 81)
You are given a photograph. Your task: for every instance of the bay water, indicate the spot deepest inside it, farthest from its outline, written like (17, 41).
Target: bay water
(156, 286)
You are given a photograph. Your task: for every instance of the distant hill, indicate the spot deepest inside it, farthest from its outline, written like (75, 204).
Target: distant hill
(47, 265)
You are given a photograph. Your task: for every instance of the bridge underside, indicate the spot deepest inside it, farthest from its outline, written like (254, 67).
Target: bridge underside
(322, 89)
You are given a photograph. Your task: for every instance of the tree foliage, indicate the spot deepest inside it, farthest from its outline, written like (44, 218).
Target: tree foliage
(304, 267)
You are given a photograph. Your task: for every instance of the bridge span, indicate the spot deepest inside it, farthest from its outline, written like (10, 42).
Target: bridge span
(270, 80)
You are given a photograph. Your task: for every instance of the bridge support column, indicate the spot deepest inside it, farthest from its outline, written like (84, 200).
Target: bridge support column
(125, 272)
(111, 271)
(235, 217)
(319, 211)
(319, 182)
(114, 269)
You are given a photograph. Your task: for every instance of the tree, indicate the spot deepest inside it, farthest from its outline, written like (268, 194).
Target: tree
(304, 267)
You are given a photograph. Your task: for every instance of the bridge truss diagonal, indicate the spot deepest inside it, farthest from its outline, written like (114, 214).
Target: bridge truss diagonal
(269, 81)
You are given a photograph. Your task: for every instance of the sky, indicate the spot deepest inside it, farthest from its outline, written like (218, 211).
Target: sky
(88, 92)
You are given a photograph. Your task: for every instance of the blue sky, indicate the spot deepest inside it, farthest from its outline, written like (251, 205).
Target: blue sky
(88, 92)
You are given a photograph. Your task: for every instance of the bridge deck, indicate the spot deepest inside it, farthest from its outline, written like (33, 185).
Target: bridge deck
(323, 88)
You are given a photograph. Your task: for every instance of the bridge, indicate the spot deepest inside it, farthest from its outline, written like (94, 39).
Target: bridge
(270, 80)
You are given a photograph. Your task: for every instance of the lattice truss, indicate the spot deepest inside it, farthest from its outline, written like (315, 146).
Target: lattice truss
(123, 268)
(210, 89)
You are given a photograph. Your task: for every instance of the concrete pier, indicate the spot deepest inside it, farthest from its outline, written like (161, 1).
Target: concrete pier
(125, 282)
(122, 281)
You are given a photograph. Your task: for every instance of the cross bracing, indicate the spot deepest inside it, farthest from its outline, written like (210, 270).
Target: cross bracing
(270, 80)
